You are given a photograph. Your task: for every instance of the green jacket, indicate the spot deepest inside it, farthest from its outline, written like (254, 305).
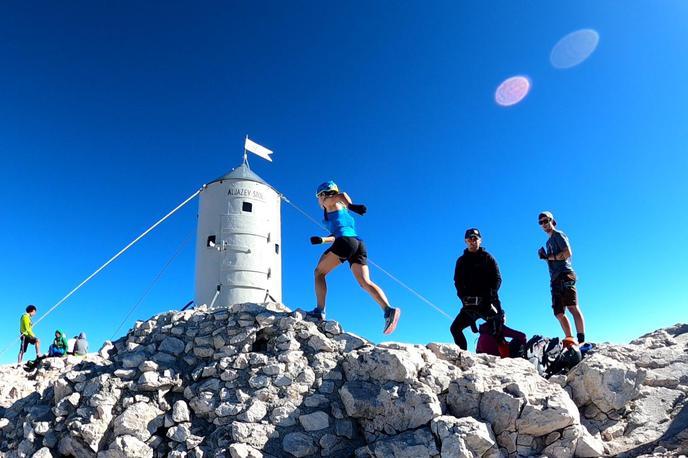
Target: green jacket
(25, 325)
(61, 340)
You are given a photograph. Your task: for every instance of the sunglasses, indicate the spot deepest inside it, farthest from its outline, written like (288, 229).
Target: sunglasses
(473, 237)
(543, 221)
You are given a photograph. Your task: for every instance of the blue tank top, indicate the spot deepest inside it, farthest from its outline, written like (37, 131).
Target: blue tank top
(341, 223)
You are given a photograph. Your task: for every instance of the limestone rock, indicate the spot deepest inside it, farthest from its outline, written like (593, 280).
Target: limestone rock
(285, 415)
(299, 444)
(384, 364)
(180, 411)
(139, 420)
(244, 451)
(179, 433)
(128, 447)
(254, 413)
(465, 437)
(315, 421)
(390, 408)
(410, 444)
(172, 345)
(253, 434)
(587, 445)
(605, 382)
(259, 380)
(43, 452)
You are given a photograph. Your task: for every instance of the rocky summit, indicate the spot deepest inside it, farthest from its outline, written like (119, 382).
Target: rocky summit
(262, 381)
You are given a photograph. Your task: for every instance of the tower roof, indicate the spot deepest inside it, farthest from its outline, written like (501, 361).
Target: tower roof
(243, 172)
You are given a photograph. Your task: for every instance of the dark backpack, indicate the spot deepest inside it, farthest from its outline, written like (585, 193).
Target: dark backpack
(544, 353)
(550, 356)
(30, 366)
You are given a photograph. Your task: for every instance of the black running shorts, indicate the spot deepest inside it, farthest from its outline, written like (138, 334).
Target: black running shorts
(564, 292)
(26, 341)
(350, 249)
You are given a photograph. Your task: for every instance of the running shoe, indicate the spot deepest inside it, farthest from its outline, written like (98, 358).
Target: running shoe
(391, 319)
(317, 313)
(586, 347)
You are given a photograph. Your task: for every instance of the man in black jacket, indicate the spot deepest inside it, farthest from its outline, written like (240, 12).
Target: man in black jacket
(477, 281)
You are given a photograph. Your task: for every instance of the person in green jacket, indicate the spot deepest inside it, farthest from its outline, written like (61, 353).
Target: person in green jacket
(27, 337)
(59, 346)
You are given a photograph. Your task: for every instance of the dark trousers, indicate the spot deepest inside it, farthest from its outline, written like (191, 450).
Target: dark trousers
(467, 317)
(463, 320)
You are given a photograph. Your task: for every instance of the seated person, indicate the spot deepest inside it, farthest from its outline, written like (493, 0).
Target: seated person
(81, 345)
(493, 335)
(59, 345)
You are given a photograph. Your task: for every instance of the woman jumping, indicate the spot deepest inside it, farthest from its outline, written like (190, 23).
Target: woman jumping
(346, 246)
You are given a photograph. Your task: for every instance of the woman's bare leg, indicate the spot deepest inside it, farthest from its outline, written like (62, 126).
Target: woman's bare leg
(362, 274)
(328, 261)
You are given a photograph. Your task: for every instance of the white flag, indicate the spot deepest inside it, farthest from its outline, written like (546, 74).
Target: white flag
(255, 148)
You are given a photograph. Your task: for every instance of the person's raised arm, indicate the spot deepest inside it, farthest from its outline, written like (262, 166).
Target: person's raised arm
(344, 198)
(356, 208)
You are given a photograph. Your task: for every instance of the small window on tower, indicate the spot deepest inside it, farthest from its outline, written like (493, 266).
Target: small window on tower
(247, 207)
(211, 241)
(276, 248)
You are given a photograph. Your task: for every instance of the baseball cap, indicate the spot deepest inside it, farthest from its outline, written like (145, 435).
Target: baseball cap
(549, 215)
(472, 232)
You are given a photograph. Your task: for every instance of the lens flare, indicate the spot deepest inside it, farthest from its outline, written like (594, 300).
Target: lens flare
(574, 48)
(512, 90)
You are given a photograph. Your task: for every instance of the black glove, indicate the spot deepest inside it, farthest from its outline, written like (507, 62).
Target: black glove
(315, 240)
(542, 253)
(358, 208)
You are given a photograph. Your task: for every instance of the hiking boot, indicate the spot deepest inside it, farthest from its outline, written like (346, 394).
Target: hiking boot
(317, 313)
(391, 319)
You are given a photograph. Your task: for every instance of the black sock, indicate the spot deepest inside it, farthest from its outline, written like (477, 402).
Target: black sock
(581, 337)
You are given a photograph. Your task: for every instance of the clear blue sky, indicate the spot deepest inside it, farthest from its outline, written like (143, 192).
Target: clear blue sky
(114, 112)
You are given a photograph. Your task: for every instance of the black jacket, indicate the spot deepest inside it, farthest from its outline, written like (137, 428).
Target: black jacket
(477, 274)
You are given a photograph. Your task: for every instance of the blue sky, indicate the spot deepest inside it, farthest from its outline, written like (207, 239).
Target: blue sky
(113, 113)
